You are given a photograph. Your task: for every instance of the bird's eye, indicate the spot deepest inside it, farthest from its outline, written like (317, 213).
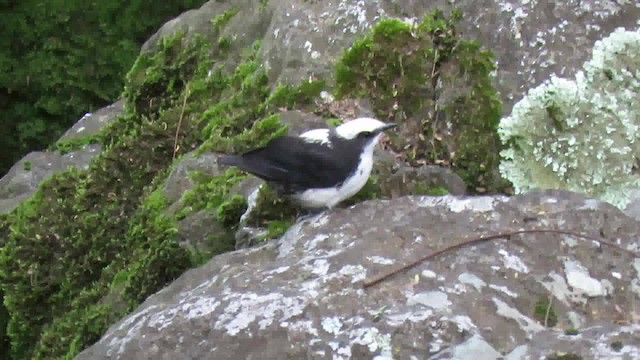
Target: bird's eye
(364, 134)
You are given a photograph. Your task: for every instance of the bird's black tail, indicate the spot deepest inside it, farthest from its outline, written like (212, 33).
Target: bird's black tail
(229, 160)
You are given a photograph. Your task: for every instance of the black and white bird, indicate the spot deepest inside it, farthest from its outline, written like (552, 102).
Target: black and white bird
(321, 167)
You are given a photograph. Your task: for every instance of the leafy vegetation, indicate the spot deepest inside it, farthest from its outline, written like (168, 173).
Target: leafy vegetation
(60, 59)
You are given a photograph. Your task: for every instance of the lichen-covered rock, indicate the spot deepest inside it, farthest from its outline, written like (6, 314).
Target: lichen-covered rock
(302, 296)
(530, 39)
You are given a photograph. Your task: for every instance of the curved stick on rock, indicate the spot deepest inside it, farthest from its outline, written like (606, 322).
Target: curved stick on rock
(381, 277)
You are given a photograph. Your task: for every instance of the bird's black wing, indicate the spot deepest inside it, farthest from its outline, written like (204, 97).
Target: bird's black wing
(298, 164)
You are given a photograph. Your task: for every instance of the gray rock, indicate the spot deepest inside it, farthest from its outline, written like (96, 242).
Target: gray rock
(23, 179)
(92, 123)
(179, 180)
(408, 180)
(302, 40)
(298, 121)
(202, 232)
(301, 297)
(530, 39)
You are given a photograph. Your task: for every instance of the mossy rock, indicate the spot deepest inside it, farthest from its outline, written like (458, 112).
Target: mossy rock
(91, 244)
(437, 86)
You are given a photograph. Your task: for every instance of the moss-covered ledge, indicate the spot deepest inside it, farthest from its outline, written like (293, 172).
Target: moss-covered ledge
(90, 245)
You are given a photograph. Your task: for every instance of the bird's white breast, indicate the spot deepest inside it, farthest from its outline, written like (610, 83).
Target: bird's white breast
(329, 197)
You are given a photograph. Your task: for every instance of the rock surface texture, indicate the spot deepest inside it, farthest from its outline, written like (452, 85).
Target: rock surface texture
(302, 297)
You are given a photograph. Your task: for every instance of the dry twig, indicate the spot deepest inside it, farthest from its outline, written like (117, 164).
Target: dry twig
(184, 105)
(379, 278)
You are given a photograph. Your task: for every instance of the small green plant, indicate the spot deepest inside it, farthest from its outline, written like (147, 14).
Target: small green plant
(223, 19)
(564, 356)
(545, 313)
(75, 143)
(571, 331)
(334, 122)
(422, 188)
(27, 165)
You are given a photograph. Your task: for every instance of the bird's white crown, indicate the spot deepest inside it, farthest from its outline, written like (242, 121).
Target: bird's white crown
(351, 129)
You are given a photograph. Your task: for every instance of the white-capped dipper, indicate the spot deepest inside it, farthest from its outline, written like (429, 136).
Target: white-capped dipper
(321, 167)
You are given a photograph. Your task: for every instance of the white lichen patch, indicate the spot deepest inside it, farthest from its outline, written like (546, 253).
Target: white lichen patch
(604, 350)
(437, 300)
(376, 341)
(464, 323)
(527, 324)
(557, 286)
(302, 326)
(578, 277)
(320, 267)
(380, 260)
(278, 270)
(475, 348)
(353, 17)
(332, 325)
(473, 280)
(428, 274)
(356, 272)
(458, 204)
(415, 316)
(635, 283)
(513, 262)
(504, 290)
(244, 309)
(313, 243)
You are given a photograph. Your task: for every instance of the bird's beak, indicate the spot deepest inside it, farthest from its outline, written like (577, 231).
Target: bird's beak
(388, 126)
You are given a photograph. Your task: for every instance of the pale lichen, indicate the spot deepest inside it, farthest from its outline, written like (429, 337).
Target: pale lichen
(582, 134)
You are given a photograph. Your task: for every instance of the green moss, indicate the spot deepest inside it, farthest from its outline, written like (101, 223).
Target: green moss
(334, 122)
(289, 97)
(429, 79)
(423, 188)
(212, 192)
(223, 19)
(90, 245)
(75, 143)
(617, 345)
(273, 212)
(27, 165)
(564, 356)
(277, 228)
(545, 313)
(224, 43)
(571, 331)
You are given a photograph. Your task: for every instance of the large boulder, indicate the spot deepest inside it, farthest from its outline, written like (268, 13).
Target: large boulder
(302, 297)
(531, 39)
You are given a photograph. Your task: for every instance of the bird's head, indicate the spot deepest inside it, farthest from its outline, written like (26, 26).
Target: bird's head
(366, 129)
